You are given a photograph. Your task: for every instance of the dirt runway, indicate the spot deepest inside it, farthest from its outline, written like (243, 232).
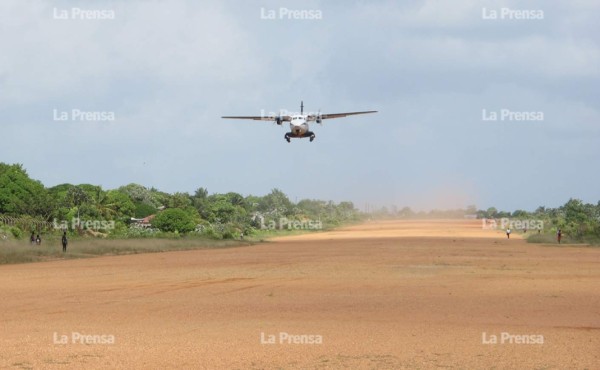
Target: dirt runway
(387, 295)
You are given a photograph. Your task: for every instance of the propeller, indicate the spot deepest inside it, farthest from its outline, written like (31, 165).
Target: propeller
(318, 120)
(278, 119)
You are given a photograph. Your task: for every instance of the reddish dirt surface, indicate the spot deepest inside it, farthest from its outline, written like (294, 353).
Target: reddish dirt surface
(403, 294)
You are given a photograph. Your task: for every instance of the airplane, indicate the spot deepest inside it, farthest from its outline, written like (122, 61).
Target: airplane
(299, 122)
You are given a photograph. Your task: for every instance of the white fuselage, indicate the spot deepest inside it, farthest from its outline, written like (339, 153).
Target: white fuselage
(298, 125)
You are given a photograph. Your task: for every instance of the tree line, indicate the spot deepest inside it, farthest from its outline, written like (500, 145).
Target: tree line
(87, 208)
(578, 221)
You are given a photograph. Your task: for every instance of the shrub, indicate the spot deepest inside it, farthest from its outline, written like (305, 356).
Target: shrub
(174, 220)
(211, 233)
(16, 232)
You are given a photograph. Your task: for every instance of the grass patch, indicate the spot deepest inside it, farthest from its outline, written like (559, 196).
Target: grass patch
(551, 239)
(265, 235)
(543, 238)
(12, 252)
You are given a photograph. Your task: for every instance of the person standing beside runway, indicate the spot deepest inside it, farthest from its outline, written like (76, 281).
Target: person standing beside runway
(64, 241)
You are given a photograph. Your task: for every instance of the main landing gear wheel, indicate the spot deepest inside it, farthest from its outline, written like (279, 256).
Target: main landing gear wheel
(287, 138)
(312, 137)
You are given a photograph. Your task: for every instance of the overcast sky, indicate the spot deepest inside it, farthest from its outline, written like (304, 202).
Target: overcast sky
(168, 70)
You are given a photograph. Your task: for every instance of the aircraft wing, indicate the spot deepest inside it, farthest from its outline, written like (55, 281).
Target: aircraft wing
(340, 115)
(260, 118)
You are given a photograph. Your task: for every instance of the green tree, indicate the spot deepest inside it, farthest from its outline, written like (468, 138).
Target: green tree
(519, 213)
(276, 203)
(140, 194)
(174, 220)
(119, 204)
(219, 209)
(491, 212)
(144, 210)
(235, 199)
(579, 218)
(180, 200)
(200, 193)
(20, 195)
(77, 198)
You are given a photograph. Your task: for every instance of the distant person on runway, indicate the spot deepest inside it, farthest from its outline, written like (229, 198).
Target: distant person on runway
(64, 242)
(558, 235)
(508, 233)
